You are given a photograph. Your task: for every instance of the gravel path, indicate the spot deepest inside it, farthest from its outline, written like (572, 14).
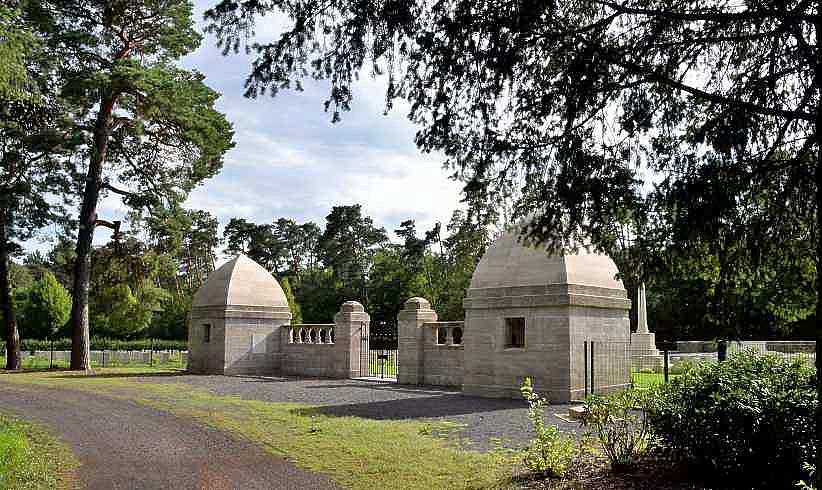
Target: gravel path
(123, 445)
(484, 422)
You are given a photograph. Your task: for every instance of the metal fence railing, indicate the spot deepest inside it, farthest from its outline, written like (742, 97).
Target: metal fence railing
(61, 359)
(383, 363)
(609, 366)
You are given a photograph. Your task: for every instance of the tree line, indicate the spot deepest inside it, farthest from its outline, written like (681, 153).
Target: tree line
(725, 232)
(141, 288)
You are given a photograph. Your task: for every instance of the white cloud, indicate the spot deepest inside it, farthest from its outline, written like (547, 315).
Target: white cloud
(290, 161)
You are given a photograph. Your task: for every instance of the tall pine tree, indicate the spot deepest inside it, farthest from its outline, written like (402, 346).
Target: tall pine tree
(150, 129)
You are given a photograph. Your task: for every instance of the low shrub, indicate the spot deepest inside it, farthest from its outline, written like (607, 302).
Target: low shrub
(549, 453)
(620, 423)
(748, 420)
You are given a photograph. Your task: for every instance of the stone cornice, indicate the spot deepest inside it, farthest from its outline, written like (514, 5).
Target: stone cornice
(551, 295)
(237, 311)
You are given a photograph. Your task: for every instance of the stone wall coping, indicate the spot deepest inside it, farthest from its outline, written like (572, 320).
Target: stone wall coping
(311, 325)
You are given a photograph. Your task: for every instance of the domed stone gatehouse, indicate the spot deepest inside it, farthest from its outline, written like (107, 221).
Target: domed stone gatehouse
(531, 314)
(561, 320)
(236, 319)
(240, 323)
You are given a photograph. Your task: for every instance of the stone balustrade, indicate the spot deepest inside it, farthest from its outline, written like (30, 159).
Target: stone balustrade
(447, 333)
(310, 333)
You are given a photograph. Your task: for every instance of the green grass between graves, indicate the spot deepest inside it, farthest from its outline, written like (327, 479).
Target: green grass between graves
(31, 459)
(649, 380)
(356, 452)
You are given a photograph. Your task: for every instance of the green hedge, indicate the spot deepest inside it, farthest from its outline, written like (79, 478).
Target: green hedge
(103, 344)
(748, 420)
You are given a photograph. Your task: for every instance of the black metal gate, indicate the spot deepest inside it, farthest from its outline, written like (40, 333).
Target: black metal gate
(380, 346)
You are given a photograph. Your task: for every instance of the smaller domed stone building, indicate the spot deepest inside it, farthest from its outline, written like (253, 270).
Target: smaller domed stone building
(236, 319)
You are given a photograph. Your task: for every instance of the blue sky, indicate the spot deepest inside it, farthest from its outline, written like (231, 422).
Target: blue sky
(291, 161)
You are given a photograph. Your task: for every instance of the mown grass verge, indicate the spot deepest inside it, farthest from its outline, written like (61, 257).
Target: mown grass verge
(356, 452)
(31, 459)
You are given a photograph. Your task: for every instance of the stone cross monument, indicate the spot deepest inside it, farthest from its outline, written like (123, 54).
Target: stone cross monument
(643, 342)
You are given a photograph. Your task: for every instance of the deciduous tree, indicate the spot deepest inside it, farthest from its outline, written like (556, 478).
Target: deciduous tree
(47, 309)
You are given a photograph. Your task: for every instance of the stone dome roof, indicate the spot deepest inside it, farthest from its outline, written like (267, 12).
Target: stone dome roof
(240, 282)
(510, 263)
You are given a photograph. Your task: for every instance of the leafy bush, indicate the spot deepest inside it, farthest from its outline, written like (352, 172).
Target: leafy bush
(749, 419)
(620, 423)
(550, 453)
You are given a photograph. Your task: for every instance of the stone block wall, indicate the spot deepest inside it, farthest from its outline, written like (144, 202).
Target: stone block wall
(333, 350)
(443, 362)
(609, 330)
(258, 341)
(494, 370)
(243, 340)
(206, 357)
(422, 359)
(310, 350)
(558, 320)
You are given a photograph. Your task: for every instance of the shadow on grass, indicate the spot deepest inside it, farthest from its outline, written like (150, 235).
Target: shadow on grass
(444, 405)
(31, 370)
(104, 375)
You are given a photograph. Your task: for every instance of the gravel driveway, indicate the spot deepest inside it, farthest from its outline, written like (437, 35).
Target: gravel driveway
(484, 422)
(123, 445)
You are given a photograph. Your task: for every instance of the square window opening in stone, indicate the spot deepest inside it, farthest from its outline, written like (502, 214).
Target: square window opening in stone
(206, 333)
(514, 332)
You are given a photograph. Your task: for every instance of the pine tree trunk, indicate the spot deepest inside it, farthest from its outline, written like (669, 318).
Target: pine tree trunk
(80, 342)
(12, 334)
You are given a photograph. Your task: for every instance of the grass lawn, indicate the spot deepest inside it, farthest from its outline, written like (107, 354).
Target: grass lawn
(356, 452)
(39, 363)
(30, 458)
(387, 368)
(649, 380)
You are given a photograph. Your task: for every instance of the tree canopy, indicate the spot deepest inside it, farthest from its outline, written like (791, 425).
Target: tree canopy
(635, 126)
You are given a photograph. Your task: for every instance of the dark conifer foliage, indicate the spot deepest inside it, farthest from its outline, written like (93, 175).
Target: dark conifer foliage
(646, 128)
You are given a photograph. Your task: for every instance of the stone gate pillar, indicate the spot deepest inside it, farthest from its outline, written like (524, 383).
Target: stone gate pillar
(410, 339)
(350, 328)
